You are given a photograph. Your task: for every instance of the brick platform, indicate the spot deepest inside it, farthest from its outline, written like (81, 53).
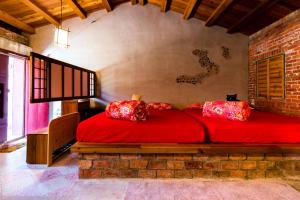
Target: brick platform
(189, 166)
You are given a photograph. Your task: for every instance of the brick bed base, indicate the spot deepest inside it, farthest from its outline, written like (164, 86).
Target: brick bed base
(189, 166)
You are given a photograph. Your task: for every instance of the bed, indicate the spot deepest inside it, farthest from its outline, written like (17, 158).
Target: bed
(169, 126)
(171, 144)
(262, 127)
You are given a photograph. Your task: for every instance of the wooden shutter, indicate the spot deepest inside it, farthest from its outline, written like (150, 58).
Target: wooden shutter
(271, 77)
(53, 80)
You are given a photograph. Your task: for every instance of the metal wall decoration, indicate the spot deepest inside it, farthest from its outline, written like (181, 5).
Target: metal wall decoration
(205, 63)
(226, 53)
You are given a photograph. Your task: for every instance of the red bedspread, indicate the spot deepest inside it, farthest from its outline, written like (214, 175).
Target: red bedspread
(169, 126)
(262, 127)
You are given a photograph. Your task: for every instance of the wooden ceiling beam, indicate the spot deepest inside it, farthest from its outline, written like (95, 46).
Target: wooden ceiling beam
(142, 2)
(77, 8)
(40, 11)
(4, 16)
(218, 12)
(106, 5)
(189, 8)
(263, 6)
(163, 7)
(134, 2)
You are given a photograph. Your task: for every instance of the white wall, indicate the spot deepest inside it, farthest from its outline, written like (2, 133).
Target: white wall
(138, 49)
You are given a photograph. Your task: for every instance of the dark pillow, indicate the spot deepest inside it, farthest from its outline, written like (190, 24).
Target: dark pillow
(231, 97)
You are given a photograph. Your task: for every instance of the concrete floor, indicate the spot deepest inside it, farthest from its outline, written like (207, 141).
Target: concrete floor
(21, 181)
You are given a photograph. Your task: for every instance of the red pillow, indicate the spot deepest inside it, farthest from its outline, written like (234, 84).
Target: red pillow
(197, 106)
(132, 110)
(159, 106)
(232, 110)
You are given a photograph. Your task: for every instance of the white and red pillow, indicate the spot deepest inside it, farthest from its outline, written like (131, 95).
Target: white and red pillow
(132, 110)
(232, 110)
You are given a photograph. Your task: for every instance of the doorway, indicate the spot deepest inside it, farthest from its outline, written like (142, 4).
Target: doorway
(16, 98)
(12, 97)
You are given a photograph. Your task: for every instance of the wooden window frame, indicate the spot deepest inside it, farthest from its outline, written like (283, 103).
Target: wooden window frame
(50, 61)
(268, 96)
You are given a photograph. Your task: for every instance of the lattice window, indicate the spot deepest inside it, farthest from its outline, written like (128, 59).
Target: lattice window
(53, 80)
(270, 82)
(92, 84)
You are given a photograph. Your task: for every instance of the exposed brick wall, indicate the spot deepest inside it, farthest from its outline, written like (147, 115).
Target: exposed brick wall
(281, 37)
(189, 166)
(4, 33)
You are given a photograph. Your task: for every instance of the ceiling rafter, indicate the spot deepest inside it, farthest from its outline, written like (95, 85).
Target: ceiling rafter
(218, 12)
(4, 16)
(41, 11)
(164, 4)
(264, 5)
(106, 5)
(134, 2)
(189, 8)
(77, 8)
(142, 2)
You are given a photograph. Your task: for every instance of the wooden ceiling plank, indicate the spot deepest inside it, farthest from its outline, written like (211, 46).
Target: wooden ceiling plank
(218, 12)
(4, 16)
(264, 5)
(142, 2)
(134, 2)
(106, 5)
(189, 8)
(40, 11)
(163, 7)
(77, 8)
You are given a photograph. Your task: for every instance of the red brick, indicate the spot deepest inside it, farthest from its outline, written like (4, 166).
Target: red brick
(121, 164)
(175, 164)
(138, 164)
(147, 173)
(146, 156)
(248, 164)
(202, 173)
(286, 165)
(129, 173)
(211, 165)
(183, 174)
(230, 164)
(89, 173)
(273, 174)
(262, 165)
(257, 174)
(111, 173)
(221, 174)
(193, 164)
(85, 164)
(297, 165)
(238, 174)
(165, 173)
(102, 164)
(157, 164)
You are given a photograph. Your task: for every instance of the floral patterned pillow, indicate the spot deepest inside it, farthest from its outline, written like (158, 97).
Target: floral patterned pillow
(232, 110)
(159, 106)
(132, 110)
(196, 106)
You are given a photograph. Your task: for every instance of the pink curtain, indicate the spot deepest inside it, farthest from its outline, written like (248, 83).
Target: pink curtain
(36, 114)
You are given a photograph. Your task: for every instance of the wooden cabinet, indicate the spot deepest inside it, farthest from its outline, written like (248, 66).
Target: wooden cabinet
(82, 106)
